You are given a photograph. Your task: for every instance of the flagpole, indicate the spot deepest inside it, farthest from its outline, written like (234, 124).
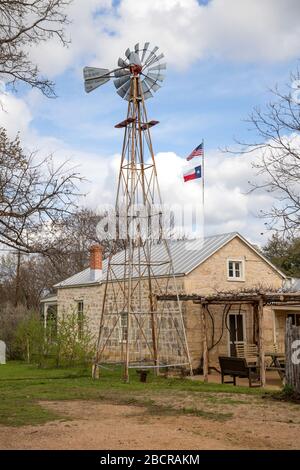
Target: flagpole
(203, 175)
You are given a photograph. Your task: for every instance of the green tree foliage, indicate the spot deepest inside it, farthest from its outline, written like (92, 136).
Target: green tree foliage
(29, 339)
(284, 253)
(64, 342)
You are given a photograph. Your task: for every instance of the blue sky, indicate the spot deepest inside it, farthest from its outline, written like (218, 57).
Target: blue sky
(211, 100)
(222, 57)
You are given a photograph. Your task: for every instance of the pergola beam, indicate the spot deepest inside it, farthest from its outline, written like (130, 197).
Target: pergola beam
(268, 298)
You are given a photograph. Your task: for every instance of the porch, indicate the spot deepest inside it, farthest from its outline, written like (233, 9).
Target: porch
(241, 311)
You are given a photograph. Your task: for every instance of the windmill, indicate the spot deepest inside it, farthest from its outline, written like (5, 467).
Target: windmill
(135, 330)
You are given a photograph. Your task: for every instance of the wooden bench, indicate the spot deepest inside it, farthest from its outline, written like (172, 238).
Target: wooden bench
(237, 367)
(247, 351)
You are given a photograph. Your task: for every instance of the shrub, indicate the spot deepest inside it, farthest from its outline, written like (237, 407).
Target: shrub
(10, 318)
(74, 343)
(65, 343)
(30, 339)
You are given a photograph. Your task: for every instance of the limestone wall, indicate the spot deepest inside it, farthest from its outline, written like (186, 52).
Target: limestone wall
(168, 319)
(211, 276)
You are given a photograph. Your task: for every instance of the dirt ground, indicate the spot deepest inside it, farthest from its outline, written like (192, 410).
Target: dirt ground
(257, 424)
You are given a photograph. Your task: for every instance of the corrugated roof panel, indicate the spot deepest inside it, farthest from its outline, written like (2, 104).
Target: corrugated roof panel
(186, 256)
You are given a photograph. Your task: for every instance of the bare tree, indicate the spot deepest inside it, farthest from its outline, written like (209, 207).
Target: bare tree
(77, 232)
(35, 197)
(278, 166)
(24, 24)
(63, 256)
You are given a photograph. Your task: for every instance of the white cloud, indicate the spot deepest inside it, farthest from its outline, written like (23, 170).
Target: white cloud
(228, 207)
(185, 30)
(15, 115)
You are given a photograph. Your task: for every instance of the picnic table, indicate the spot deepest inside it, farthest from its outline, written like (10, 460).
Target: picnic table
(277, 362)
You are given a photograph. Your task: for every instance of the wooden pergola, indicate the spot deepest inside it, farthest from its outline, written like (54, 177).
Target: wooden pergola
(256, 299)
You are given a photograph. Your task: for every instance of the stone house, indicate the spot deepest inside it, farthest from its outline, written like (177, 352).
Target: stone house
(226, 262)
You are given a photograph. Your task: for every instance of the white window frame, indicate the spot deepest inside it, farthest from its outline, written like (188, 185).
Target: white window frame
(241, 278)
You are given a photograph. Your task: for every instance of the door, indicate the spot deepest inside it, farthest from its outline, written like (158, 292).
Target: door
(236, 330)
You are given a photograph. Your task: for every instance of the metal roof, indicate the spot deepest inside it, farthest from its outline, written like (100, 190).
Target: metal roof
(186, 256)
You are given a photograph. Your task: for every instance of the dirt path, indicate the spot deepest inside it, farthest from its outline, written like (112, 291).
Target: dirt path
(98, 425)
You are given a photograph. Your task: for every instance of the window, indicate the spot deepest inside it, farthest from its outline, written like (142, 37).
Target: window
(295, 318)
(123, 326)
(235, 270)
(80, 318)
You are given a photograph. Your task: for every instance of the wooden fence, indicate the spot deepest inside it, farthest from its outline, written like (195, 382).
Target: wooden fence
(292, 351)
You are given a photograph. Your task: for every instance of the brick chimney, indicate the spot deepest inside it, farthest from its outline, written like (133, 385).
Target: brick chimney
(96, 262)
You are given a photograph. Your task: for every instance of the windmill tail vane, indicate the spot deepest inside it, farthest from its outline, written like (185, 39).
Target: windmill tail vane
(135, 330)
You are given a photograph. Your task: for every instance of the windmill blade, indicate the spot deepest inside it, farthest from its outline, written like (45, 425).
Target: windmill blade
(128, 94)
(156, 87)
(150, 81)
(122, 73)
(156, 76)
(127, 53)
(94, 72)
(145, 86)
(155, 59)
(158, 67)
(93, 83)
(137, 48)
(121, 81)
(146, 90)
(152, 53)
(134, 59)
(146, 45)
(122, 63)
(152, 84)
(124, 89)
(147, 95)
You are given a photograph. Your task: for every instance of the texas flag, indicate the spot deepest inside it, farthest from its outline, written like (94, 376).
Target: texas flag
(192, 174)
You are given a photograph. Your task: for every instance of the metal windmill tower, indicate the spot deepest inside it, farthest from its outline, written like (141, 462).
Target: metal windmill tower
(134, 330)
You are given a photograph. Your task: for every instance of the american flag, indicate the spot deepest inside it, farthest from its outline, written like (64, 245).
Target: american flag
(197, 152)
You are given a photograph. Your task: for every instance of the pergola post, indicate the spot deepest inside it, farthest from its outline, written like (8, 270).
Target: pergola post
(204, 342)
(261, 342)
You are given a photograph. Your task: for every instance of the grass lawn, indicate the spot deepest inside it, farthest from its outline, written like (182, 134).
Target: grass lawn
(23, 387)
